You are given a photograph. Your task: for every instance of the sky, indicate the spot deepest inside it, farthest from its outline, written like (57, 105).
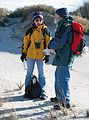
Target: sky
(14, 4)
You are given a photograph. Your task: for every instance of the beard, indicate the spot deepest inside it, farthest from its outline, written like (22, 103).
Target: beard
(55, 22)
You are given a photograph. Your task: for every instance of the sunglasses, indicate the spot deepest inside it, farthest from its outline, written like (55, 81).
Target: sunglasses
(38, 20)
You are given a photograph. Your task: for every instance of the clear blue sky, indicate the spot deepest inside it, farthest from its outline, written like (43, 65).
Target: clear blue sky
(13, 4)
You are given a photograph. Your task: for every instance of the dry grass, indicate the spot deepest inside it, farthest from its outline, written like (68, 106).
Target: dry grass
(62, 114)
(7, 114)
(20, 85)
(87, 113)
(13, 116)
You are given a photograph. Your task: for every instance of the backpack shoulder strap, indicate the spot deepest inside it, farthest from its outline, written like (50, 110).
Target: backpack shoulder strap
(69, 35)
(29, 31)
(45, 32)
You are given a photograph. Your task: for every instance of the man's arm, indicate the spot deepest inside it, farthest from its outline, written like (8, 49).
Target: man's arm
(58, 43)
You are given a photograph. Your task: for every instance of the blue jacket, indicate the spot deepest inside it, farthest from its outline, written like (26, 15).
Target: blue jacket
(61, 42)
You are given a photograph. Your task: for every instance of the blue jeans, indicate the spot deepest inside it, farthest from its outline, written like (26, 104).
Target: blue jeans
(62, 84)
(30, 69)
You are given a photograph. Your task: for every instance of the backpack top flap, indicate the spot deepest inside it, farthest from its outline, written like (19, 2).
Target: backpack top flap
(78, 28)
(78, 37)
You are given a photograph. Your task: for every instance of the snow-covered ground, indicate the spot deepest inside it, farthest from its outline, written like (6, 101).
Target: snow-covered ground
(12, 72)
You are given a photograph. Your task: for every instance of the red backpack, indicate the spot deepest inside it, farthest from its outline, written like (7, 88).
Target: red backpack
(78, 38)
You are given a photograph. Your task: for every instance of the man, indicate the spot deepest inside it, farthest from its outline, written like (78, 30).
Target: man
(60, 43)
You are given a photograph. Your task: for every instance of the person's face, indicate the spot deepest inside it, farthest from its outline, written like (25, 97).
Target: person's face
(38, 21)
(57, 18)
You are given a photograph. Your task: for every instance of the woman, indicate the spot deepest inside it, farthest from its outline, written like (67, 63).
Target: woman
(35, 41)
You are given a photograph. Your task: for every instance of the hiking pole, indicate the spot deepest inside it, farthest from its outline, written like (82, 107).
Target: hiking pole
(25, 65)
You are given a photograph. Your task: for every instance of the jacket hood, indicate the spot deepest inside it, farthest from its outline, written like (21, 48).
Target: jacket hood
(67, 20)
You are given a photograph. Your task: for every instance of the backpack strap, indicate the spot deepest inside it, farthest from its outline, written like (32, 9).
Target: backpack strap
(28, 31)
(62, 31)
(44, 35)
(45, 32)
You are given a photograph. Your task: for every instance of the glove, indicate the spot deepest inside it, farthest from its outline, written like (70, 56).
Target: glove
(23, 57)
(46, 51)
(49, 51)
(46, 58)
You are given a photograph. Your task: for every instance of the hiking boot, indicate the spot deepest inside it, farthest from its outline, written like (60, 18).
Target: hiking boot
(56, 107)
(54, 100)
(43, 97)
(66, 105)
(25, 96)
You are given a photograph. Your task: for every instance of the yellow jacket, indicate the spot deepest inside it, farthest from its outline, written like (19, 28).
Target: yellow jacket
(37, 36)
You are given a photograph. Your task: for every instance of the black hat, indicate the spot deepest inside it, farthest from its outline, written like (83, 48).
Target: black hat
(62, 12)
(37, 15)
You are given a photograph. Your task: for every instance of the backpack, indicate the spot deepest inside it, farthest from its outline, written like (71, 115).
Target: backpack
(78, 42)
(34, 89)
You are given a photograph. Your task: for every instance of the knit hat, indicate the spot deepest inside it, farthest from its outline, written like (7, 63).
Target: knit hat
(62, 12)
(37, 15)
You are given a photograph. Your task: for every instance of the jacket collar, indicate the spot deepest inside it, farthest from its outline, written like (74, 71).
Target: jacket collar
(67, 20)
(39, 27)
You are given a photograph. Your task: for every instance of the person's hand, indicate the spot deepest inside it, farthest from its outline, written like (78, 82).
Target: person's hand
(46, 58)
(23, 57)
(49, 51)
(46, 51)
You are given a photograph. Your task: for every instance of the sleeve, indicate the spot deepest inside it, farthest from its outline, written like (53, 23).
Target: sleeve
(27, 40)
(59, 42)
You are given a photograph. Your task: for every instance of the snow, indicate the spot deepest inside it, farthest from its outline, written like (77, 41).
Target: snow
(12, 72)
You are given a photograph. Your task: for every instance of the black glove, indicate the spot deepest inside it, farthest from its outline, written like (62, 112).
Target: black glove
(46, 58)
(23, 57)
